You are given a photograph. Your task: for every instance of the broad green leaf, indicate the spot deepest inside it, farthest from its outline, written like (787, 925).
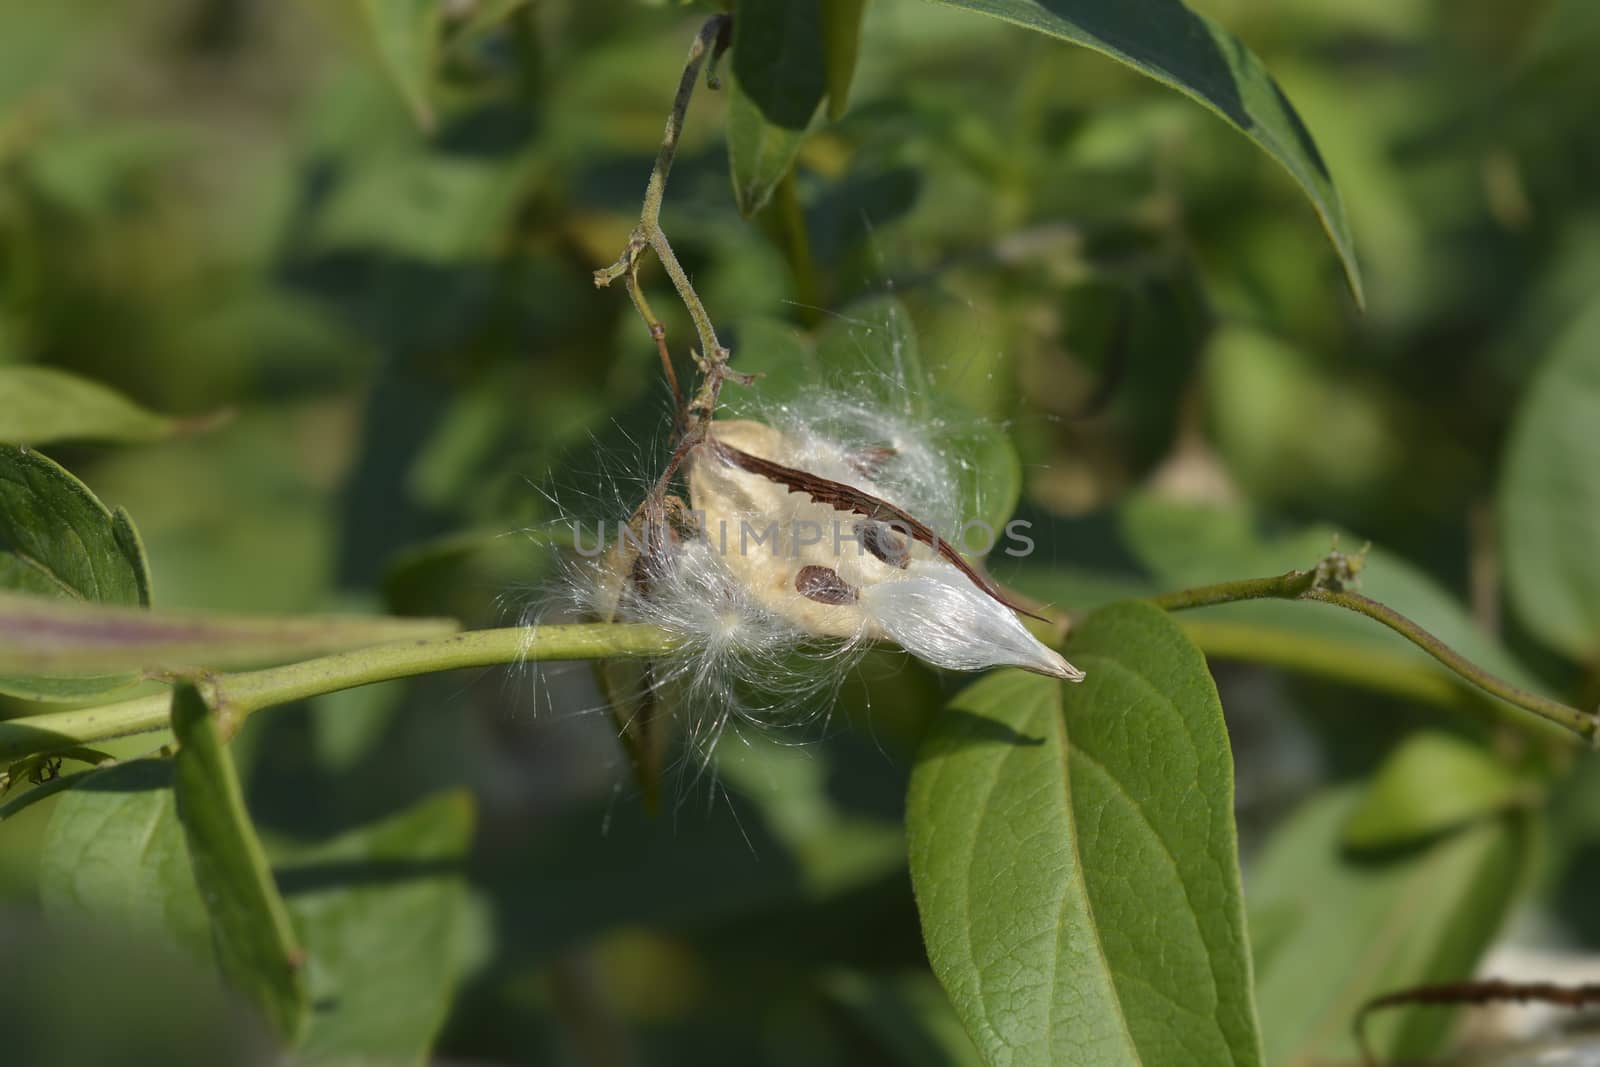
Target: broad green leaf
(406, 36)
(780, 75)
(380, 912)
(40, 405)
(760, 153)
(841, 40)
(778, 58)
(1433, 782)
(64, 638)
(1550, 498)
(1075, 862)
(114, 856)
(1187, 51)
(908, 1015)
(58, 540)
(256, 948)
(1334, 927)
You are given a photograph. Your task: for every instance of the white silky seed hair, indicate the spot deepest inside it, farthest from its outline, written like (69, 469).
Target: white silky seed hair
(928, 606)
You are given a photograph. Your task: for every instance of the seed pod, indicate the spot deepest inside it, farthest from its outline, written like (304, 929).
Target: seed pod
(814, 540)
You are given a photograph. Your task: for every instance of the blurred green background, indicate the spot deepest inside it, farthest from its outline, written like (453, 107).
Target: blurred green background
(228, 206)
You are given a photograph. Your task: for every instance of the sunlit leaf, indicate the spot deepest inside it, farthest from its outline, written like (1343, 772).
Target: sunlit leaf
(1074, 858)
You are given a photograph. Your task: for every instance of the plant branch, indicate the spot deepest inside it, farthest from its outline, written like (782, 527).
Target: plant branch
(1321, 586)
(712, 39)
(237, 696)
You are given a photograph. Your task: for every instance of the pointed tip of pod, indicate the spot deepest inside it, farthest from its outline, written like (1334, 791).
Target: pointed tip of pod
(1055, 665)
(938, 615)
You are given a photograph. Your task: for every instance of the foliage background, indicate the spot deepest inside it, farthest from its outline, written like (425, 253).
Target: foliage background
(227, 204)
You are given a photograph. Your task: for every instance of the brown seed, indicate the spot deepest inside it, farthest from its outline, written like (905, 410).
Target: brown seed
(882, 542)
(824, 585)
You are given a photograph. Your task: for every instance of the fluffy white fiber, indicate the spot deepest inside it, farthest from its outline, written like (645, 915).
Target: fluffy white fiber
(774, 593)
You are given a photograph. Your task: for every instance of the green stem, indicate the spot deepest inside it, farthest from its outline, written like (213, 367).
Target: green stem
(238, 695)
(1308, 585)
(790, 226)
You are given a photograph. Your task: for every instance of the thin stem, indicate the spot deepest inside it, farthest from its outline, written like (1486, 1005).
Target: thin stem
(1314, 586)
(658, 333)
(712, 39)
(239, 695)
(791, 231)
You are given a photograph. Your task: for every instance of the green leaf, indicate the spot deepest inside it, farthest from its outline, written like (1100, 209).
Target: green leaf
(378, 910)
(779, 77)
(39, 634)
(43, 405)
(760, 153)
(841, 41)
(1079, 891)
(406, 35)
(778, 58)
(1333, 928)
(255, 945)
(1550, 498)
(381, 912)
(1187, 51)
(114, 856)
(1433, 782)
(58, 540)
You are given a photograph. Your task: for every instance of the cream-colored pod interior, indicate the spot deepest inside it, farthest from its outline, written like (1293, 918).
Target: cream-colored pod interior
(767, 535)
(832, 573)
